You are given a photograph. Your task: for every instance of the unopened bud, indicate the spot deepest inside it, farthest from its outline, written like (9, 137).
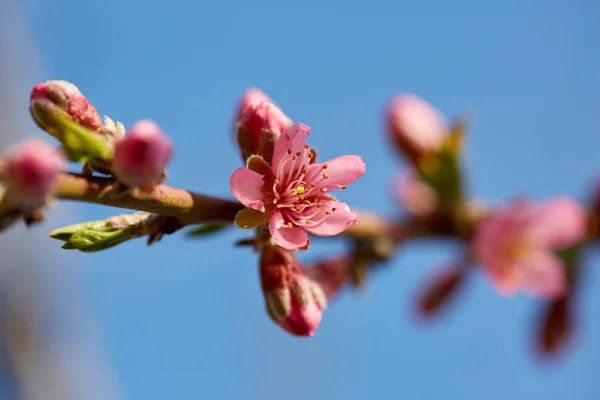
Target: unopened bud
(556, 326)
(439, 292)
(32, 170)
(142, 155)
(293, 301)
(251, 97)
(49, 98)
(259, 127)
(415, 195)
(414, 126)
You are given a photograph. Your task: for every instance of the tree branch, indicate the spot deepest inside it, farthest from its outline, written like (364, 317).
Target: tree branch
(186, 206)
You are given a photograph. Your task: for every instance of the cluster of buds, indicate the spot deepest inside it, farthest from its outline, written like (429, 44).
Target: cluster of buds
(137, 158)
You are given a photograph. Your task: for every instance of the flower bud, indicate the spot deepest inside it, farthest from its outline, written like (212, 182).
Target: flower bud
(32, 170)
(414, 126)
(259, 127)
(439, 292)
(251, 97)
(415, 195)
(142, 155)
(48, 98)
(293, 301)
(556, 326)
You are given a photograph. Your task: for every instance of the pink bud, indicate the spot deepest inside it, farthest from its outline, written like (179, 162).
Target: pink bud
(415, 195)
(251, 97)
(259, 127)
(293, 301)
(67, 97)
(142, 155)
(32, 170)
(414, 126)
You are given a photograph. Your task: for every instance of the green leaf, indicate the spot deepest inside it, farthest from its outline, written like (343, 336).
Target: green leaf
(66, 232)
(442, 171)
(90, 240)
(79, 143)
(207, 229)
(92, 236)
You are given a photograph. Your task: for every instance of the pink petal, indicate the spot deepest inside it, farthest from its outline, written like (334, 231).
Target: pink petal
(293, 138)
(246, 186)
(339, 172)
(545, 276)
(507, 279)
(284, 236)
(334, 223)
(562, 222)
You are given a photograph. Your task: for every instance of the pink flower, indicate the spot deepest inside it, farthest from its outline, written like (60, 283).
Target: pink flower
(293, 194)
(517, 245)
(414, 125)
(66, 96)
(415, 195)
(32, 170)
(142, 155)
(293, 301)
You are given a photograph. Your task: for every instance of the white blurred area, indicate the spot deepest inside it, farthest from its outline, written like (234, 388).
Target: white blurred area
(48, 347)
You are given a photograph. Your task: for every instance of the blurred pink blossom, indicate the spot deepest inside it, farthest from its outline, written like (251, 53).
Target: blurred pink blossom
(32, 169)
(414, 125)
(517, 245)
(415, 195)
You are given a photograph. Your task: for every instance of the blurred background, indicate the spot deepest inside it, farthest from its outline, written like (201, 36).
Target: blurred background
(185, 319)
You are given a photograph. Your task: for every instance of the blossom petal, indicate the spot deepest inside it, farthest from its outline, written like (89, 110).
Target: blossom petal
(284, 236)
(506, 279)
(334, 223)
(561, 223)
(545, 276)
(294, 139)
(336, 173)
(246, 186)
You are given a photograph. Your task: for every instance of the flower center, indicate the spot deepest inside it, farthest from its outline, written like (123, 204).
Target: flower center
(300, 190)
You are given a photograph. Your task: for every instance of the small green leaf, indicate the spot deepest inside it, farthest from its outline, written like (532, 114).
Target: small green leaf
(80, 144)
(89, 240)
(66, 232)
(441, 170)
(207, 229)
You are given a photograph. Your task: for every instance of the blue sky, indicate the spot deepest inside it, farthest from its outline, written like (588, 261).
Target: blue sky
(184, 319)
